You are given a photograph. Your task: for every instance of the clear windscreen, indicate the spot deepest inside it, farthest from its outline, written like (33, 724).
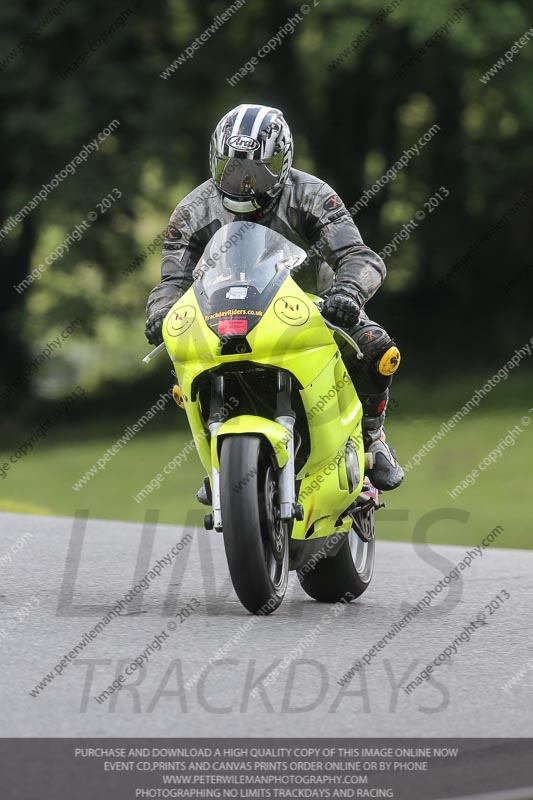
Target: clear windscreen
(245, 253)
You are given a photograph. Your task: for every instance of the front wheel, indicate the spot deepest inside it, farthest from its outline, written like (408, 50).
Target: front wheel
(256, 542)
(346, 575)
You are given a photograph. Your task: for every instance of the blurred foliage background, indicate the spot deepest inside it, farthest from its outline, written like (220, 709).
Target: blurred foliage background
(351, 122)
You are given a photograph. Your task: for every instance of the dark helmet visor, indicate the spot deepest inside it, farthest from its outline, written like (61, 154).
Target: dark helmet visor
(243, 177)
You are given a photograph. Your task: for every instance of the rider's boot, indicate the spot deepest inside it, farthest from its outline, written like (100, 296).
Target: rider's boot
(372, 375)
(384, 470)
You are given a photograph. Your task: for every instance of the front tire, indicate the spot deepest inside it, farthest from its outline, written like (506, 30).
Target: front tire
(256, 543)
(346, 575)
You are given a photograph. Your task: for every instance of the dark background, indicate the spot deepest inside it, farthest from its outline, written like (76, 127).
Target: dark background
(458, 295)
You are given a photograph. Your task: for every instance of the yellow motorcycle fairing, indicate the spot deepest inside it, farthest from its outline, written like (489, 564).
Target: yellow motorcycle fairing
(292, 336)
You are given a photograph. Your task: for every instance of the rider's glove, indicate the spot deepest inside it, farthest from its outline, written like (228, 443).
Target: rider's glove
(343, 306)
(154, 325)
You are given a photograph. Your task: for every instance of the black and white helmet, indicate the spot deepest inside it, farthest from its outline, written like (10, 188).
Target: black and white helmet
(251, 156)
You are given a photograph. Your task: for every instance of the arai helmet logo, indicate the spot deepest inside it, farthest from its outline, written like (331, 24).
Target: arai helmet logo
(247, 143)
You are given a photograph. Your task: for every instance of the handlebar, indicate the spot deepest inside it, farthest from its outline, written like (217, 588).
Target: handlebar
(342, 333)
(154, 353)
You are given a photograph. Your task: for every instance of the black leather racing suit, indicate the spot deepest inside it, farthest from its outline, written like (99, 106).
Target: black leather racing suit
(311, 215)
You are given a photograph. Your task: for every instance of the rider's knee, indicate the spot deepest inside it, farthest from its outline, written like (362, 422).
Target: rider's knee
(381, 355)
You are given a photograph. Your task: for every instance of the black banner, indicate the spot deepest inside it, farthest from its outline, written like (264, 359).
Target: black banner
(126, 769)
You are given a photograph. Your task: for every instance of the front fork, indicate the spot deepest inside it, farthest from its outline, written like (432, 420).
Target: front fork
(213, 423)
(285, 416)
(288, 508)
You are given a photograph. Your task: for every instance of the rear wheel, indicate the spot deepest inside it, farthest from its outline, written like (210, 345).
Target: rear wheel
(256, 542)
(346, 575)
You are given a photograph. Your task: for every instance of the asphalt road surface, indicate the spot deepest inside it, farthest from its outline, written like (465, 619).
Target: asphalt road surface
(59, 579)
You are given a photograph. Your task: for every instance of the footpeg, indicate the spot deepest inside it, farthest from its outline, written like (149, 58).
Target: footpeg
(203, 495)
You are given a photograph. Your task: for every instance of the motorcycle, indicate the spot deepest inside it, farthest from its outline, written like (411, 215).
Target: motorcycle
(276, 421)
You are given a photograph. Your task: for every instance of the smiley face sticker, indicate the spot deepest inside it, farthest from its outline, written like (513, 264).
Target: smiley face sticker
(180, 320)
(291, 310)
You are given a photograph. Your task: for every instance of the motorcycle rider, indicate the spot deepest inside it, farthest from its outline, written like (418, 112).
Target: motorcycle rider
(252, 178)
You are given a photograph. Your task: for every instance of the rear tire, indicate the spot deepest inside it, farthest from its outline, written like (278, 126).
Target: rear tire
(256, 544)
(346, 575)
